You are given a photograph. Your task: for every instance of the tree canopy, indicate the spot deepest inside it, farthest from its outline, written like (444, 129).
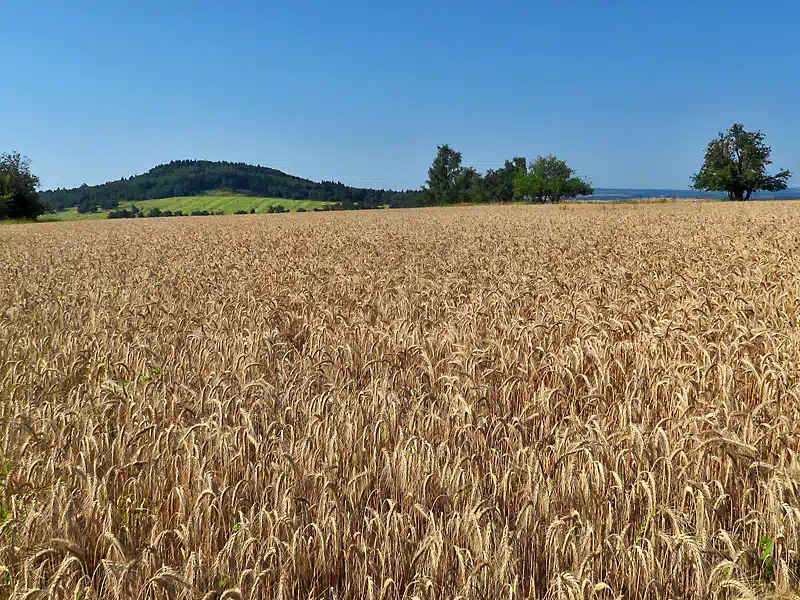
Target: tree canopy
(448, 182)
(498, 184)
(736, 162)
(19, 198)
(549, 179)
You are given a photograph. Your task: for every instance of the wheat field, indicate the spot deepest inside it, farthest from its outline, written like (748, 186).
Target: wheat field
(487, 402)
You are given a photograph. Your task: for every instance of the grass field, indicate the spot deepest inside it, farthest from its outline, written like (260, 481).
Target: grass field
(484, 402)
(227, 203)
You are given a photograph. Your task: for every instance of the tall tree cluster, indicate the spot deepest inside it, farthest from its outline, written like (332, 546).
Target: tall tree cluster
(546, 179)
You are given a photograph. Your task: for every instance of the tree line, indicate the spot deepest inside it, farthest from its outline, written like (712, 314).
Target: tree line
(134, 212)
(546, 179)
(735, 163)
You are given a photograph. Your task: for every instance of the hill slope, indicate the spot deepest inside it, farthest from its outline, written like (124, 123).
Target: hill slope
(193, 177)
(214, 202)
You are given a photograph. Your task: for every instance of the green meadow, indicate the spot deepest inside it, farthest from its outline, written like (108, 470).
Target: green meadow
(226, 202)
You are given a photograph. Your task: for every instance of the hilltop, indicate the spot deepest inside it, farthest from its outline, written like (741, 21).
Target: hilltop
(182, 178)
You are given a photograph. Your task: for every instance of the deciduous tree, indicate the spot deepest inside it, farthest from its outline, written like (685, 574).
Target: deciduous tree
(736, 162)
(550, 179)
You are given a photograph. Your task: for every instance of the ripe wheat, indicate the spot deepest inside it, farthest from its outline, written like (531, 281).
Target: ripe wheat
(494, 402)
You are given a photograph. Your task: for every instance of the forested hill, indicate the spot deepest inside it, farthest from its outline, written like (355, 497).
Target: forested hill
(194, 177)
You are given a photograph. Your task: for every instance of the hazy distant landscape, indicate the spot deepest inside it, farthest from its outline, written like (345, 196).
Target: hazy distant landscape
(630, 194)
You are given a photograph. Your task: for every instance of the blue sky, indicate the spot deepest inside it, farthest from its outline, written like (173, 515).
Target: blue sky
(628, 92)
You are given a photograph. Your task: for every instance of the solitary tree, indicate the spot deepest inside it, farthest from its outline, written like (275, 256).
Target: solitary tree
(549, 179)
(736, 162)
(18, 196)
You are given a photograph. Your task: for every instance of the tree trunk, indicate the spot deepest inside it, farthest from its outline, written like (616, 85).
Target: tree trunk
(749, 192)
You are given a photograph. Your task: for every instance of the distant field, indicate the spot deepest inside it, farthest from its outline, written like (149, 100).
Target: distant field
(227, 203)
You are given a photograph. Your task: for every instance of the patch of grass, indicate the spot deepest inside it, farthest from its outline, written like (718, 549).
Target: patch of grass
(5, 509)
(228, 203)
(766, 549)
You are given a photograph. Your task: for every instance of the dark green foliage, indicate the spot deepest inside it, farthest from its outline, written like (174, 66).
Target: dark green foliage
(240, 212)
(121, 214)
(252, 211)
(301, 209)
(405, 199)
(277, 208)
(153, 212)
(469, 186)
(498, 185)
(19, 198)
(736, 162)
(87, 207)
(5, 195)
(194, 177)
(450, 183)
(549, 179)
(446, 182)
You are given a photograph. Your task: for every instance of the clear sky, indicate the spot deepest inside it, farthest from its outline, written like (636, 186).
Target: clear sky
(628, 92)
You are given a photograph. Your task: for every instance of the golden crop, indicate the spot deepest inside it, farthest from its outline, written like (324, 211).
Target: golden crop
(494, 402)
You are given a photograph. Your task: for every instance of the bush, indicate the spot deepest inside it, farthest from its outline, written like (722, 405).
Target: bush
(87, 207)
(121, 214)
